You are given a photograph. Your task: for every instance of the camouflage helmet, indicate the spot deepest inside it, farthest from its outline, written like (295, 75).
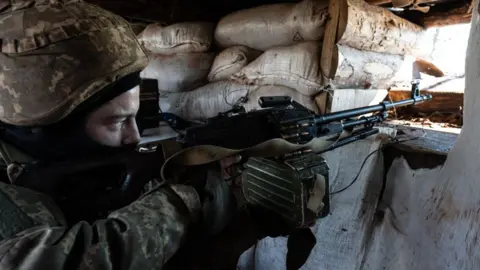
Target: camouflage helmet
(55, 54)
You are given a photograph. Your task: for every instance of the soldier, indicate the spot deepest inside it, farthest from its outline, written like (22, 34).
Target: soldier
(68, 88)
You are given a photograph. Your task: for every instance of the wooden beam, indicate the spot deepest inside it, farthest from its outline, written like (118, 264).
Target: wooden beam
(329, 56)
(368, 27)
(345, 99)
(430, 141)
(364, 69)
(458, 15)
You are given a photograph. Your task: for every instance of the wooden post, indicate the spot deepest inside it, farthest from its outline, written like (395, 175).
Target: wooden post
(363, 31)
(345, 99)
(353, 68)
(364, 69)
(329, 60)
(368, 27)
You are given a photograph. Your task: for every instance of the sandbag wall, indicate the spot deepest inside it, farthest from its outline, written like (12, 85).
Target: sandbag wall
(203, 69)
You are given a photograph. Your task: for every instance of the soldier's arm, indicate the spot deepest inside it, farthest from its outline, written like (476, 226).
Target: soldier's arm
(143, 235)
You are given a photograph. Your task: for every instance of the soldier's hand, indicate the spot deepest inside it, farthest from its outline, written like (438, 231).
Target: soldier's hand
(232, 173)
(231, 168)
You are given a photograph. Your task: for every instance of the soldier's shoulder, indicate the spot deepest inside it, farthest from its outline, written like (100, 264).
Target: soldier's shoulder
(40, 208)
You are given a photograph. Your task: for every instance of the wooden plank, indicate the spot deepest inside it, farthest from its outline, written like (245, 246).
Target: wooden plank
(455, 15)
(322, 101)
(441, 102)
(428, 68)
(424, 140)
(345, 99)
(329, 54)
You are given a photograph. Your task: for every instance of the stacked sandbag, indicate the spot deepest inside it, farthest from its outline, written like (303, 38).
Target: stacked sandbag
(268, 26)
(231, 61)
(179, 55)
(206, 101)
(275, 49)
(138, 27)
(183, 37)
(179, 72)
(211, 99)
(298, 67)
(291, 38)
(288, 35)
(295, 66)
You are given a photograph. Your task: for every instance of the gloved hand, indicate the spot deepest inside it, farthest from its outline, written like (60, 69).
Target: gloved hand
(246, 227)
(218, 200)
(232, 174)
(219, 208)
(219, 205)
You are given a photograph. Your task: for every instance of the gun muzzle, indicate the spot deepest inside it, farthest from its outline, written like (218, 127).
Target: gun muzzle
(346, 114)
(382, 107)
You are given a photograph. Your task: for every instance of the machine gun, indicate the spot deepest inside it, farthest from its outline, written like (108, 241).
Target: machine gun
(289, 185)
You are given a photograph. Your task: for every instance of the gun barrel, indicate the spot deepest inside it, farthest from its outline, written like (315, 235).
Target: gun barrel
(384, 106)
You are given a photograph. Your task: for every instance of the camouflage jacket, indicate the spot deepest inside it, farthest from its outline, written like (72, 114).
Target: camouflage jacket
(142, 235)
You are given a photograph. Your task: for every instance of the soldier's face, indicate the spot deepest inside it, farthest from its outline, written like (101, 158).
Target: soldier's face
(113, 124)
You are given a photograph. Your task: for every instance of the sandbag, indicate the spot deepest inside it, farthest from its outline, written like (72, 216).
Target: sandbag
(278, 90)
(204, 102)
(295, 66)
(183, 37)
(267, 26)
(230, 61)
(179, 72)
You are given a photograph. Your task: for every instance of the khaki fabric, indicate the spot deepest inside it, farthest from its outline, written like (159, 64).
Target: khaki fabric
(142, 235)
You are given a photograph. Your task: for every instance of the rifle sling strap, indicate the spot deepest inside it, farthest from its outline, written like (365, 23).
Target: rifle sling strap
(14, 160)
(203, 154)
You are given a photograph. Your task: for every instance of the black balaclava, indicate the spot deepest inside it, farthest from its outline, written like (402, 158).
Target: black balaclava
(87, 194)
(67, 139)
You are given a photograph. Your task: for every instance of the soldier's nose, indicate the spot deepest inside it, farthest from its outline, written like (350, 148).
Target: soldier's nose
(132, 136)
